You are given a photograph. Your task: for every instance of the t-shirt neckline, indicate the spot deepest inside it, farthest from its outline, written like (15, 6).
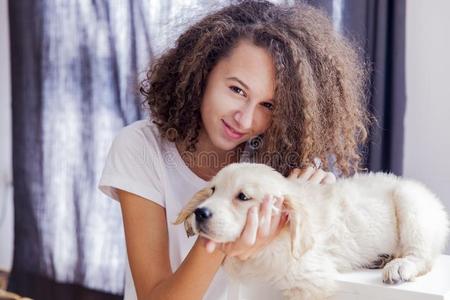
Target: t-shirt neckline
(184, 169)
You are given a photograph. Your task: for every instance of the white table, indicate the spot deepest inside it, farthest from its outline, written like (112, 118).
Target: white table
(368, 285)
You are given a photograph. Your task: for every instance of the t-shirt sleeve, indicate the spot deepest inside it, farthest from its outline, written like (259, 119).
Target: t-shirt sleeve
(133, 165)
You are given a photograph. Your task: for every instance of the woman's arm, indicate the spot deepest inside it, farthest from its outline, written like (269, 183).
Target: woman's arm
(148, 254)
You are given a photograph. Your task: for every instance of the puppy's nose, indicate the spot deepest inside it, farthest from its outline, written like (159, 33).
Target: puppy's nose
(202, 214)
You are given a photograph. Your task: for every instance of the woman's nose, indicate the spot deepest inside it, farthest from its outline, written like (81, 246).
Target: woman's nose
(244, 117)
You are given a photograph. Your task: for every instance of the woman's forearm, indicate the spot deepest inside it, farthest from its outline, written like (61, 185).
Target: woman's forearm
(192, 278)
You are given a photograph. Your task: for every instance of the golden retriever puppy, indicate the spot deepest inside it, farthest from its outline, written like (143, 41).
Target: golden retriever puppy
(367, 221)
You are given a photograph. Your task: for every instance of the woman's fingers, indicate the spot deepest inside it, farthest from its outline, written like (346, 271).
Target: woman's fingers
(265, 219)
(276, 215)
(294, 173)
(305, 174)
(312, 175)
(247, 240)
(317, 176)
(329, 178)
(248, 236)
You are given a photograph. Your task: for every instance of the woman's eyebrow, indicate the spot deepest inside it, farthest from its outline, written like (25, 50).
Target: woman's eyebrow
(240, 81)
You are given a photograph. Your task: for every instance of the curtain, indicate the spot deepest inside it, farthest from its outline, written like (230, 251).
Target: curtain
(379, 28)
(75, 67)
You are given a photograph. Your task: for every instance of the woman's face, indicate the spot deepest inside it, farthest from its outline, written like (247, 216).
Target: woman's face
(238, 99)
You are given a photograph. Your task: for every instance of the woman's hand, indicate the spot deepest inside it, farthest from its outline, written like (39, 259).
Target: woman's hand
(263, 224)
(312, 175)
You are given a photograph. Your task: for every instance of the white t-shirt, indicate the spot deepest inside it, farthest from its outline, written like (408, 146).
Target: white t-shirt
(141, 162)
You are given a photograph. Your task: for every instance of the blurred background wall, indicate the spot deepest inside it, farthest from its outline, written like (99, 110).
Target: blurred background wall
(427, 122)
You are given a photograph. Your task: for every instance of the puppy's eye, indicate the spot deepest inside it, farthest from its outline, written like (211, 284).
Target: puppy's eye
(213, 189)
(241, 196)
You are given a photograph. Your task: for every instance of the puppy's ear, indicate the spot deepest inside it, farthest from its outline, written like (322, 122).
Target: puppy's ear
(299, 227)
(198, 198)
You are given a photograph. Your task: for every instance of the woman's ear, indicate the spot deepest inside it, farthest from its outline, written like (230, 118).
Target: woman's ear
(198, 198)
(299, 227)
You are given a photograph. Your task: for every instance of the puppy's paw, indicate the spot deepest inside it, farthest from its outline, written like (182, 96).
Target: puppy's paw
(399, 270)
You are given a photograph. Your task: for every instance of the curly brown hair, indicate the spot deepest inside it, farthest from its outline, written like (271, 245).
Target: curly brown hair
(320, 83)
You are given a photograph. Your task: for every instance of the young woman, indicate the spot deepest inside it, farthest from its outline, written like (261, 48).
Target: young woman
(255, 82)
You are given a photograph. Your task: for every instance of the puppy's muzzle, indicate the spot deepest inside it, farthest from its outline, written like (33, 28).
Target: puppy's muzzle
(202, 214)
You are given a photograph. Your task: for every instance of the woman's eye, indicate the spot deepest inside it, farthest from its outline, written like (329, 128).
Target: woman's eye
(238, 91)
(268, 105)
(213, 189)
(241, 196)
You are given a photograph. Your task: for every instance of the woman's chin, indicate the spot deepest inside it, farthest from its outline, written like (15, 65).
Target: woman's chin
(226, 145)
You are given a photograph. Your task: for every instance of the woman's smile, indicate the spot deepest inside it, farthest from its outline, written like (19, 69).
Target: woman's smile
(231, 132)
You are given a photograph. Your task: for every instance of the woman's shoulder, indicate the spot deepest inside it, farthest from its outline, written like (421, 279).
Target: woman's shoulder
(140, 127)
(134, 163)
(140, 133)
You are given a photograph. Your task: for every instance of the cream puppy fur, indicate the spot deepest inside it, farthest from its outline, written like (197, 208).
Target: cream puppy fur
(371, 220)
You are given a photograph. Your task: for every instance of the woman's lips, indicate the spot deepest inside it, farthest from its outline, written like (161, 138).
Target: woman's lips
(230, 132)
